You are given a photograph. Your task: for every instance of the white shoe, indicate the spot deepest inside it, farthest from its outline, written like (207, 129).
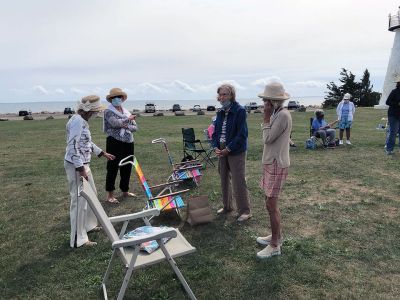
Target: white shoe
(266, 240)
(340, 142)
(269, 251)
(348, 142)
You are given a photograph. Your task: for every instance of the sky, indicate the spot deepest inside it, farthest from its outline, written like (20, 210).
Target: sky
(183, 49)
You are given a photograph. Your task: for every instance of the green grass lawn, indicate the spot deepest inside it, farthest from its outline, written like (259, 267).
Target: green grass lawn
(340, 217)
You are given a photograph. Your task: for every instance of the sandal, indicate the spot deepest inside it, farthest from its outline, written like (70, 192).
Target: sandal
(128, 194)
(96, 229)
(112, 200)
(90, 244)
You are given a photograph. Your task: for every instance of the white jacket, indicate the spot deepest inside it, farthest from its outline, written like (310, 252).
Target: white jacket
(352, 110)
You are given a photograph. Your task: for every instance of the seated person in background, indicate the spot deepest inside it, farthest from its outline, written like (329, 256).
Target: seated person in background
(321, 129)
(211, 128)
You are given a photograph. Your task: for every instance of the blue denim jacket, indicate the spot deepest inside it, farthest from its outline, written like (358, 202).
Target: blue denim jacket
(236, 129)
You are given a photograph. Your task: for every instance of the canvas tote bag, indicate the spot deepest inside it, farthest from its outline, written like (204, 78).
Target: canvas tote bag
(198, 211)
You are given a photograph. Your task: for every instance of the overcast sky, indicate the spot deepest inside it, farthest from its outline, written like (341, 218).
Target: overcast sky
(182, 49)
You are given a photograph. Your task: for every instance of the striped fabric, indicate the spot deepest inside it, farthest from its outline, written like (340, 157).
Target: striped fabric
(187, 174)
(159, 203)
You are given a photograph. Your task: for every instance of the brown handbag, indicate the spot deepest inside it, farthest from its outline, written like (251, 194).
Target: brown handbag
(198, 211)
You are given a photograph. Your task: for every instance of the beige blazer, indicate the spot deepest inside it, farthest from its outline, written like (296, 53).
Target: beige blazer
(276, 135)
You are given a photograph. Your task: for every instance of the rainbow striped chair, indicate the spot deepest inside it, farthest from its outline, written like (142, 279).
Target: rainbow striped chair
(165, 199)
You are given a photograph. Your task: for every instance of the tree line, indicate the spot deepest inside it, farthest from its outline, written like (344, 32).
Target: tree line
(361, 91)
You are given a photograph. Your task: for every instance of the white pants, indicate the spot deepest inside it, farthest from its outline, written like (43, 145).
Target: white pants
(82, 217)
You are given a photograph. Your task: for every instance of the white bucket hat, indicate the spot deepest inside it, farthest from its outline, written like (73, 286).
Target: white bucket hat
(274, 91)
(90, 103)
(347, 96)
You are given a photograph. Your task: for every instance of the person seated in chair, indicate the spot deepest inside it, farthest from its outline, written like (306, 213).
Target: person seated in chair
(321, 129)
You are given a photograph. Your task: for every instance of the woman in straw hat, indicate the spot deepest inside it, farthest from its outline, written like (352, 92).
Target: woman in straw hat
(276, 135)
(118, 125)
(229, 141)
(76, 164)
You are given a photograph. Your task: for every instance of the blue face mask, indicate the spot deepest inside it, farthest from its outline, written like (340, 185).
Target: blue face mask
(225, 104)
(116, 101)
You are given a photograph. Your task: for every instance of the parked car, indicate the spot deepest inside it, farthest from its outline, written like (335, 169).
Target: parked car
(196, 108)
(251, 106)
(68, 111)
(210, 108)
(293, 105)
(150, 107)
(24, 112)
(176, 107)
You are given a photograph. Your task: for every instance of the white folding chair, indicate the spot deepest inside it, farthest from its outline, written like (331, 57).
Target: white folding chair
(128, 249)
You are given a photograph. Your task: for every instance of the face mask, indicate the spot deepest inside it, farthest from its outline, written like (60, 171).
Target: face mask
(225, 104)
(116, 101)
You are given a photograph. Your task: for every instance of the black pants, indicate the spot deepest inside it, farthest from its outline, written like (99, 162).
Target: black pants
(120, 150)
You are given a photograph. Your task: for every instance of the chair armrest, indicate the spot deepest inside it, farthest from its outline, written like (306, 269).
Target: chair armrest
(187, 162)
(169, 233)
(170, 194)
(171, 183)
(188, 168)
(138, 215)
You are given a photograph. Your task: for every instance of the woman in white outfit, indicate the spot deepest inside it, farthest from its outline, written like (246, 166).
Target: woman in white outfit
(76, 164)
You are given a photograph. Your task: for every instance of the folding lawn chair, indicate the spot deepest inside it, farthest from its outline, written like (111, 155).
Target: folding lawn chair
(128, 249)
(193, 147)
(187, 170)
(165, 199)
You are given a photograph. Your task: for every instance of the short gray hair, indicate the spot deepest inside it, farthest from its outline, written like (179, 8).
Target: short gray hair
(230, 88)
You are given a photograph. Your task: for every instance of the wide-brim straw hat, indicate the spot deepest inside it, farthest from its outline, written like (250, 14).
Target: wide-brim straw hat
(115, 92)
(90, 103)
(274, 91)
(347, 96)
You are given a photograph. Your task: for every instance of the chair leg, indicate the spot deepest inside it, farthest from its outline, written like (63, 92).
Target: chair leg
(176, 270)
(128, 274)
(107, 274)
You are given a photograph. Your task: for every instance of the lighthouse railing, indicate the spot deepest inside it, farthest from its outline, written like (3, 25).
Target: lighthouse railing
(394, 21)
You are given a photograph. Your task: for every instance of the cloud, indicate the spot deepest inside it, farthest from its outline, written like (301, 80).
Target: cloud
(150, 87)
(311, 83)
(263, 81)
(182, 85)
(77, 91)
(213, 86)
(59, 91)
(40, 89)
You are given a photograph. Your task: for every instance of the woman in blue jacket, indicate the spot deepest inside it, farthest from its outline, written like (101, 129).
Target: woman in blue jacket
(229, 141)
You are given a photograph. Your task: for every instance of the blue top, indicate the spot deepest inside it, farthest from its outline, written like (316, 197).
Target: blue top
(345, 111)
(236, 129)
(317, 124)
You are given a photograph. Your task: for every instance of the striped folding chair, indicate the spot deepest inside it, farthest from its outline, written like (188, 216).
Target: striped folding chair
(159, 196)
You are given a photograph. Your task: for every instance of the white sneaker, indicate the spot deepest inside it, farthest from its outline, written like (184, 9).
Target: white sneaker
(266, 240)
(340, 142)
(269, 251)
(348, 142)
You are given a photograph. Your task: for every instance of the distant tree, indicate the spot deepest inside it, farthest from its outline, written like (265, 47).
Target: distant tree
(361, 92)
(335, 93)
(367, 96)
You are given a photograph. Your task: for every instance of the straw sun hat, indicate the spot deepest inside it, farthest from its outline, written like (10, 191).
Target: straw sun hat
(90, 103)
(115, 92)
(274, 91)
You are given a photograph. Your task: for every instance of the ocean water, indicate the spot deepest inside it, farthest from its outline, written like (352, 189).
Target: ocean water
(58, 106)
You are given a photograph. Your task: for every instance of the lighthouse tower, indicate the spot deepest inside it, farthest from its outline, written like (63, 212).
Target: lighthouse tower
(393, 68)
